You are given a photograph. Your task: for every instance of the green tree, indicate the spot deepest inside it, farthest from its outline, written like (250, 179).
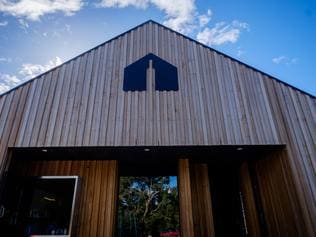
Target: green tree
(147, 205)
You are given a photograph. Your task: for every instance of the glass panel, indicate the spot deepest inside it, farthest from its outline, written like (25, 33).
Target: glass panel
(148, 207)
(50, 206)
(38, 206)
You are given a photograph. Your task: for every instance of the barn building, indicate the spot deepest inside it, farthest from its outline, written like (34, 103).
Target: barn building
(152, 101)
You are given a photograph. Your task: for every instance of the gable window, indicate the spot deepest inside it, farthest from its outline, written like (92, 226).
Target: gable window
(166, 75)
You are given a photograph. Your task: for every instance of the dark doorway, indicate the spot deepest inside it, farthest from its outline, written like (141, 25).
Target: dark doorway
(226, 200)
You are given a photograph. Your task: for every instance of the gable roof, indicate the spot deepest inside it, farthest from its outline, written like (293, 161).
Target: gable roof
(180, 34)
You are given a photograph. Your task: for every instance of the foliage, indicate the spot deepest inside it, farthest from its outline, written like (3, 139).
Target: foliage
(147, 206)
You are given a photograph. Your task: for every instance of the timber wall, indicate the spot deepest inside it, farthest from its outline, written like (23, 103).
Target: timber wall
(220, 102)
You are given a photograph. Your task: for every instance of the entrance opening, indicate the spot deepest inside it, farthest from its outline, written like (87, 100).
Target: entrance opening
(148, 205)
(226, 200)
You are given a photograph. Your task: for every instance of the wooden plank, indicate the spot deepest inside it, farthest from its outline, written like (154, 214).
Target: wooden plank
(234, 102)
(47, 111)
(280, 217)
(113, 95)
(294, 164)
(127, 95)
(242, 135)
(200, 92)
(251, 212)
(97, 106)
(185, 199)
(9, 137)
(4, 114)
(83, 117)
(61, 110)
(25, 114)
(13, 101)
(142, 95)
(247, 105)
(104, 186)
(78, 98)
(2, 99)
(40, 109)
(179, 113)
(70, 103)
(93, 77)
(119, 121)
(225, 132)
(61, 81)
(201, 200)
(106, 97)
(228, 100)
(111, 198)
(215, 112)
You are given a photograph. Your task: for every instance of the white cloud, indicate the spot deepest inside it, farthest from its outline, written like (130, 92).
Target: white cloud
(26, 72)
(68, 28)
(240, 52)
(205, 18)
(241, 25)
(125, 3)
(23, 24)
(8, 81)
(279, 59)
(284, 60)
(34, 9)
(3, 23)
(6, 60)
(180, 14)
(222, 33)
(29, 70)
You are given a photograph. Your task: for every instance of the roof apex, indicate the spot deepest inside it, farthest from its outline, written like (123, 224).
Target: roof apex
(187, 37)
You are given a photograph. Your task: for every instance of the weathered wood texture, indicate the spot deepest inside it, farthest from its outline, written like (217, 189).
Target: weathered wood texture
(220, 102)
(201, 200)
(97, 198)
(251, 212)
(185, 199)
(283, 215)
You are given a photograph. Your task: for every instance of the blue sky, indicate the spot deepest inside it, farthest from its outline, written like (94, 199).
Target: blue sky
(277, 37)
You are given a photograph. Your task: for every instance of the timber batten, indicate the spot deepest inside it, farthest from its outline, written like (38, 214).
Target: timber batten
(220, 102)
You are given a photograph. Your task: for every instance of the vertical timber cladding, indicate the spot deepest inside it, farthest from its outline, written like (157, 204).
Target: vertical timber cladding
(195, 200)
(281, 211)
(220, 101)
(185, 199)
(201, 200)
(98, 188)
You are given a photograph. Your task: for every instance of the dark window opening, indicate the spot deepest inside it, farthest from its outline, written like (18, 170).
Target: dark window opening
(38, 206)
(166, 75)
